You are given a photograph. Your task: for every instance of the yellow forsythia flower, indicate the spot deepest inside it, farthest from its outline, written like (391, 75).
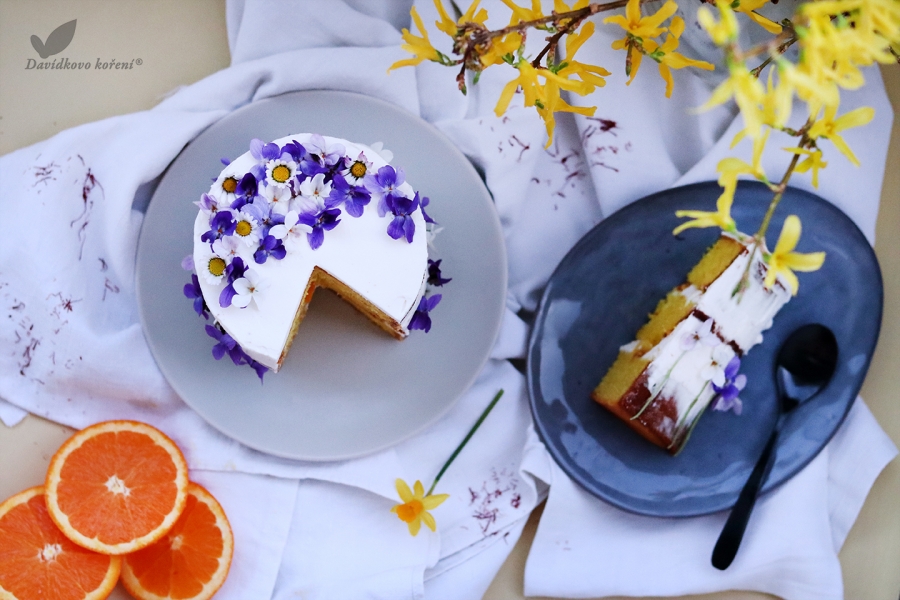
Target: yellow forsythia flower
(813, 162)
(520, 14)
(748, 7)
(748, 93)
(784, 261)
(721, 218)
(724, 31)
(415, 506)
(828, 127)
(668, 59)
(420, 47)
(449, 26)
(640, 26)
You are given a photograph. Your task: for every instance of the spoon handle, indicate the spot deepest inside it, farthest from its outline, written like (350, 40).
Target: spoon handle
(730, 539)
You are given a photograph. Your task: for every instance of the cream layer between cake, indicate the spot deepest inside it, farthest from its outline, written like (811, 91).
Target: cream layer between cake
(388, 273)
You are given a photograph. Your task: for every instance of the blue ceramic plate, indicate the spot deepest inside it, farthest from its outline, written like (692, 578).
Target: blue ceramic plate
(602, 292)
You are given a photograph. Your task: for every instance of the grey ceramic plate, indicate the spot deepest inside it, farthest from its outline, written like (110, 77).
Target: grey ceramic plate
(346, 389)
(601, 293)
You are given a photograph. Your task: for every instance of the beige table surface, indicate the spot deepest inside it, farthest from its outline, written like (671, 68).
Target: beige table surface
(181, 41)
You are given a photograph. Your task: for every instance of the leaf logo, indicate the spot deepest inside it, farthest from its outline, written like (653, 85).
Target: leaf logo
(57, 41)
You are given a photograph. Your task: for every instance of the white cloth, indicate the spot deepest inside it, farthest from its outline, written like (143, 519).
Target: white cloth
(73, 350)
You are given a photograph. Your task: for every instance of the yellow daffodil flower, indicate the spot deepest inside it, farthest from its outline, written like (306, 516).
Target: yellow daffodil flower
(668, 59)
(784, 261)
(639, 26)
(828, 127)
(420, 47)
(415, 506)
(721, 218)
(813, 162)
(748, 7)
(722, 32)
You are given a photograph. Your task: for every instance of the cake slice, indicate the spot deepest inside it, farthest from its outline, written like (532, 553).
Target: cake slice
(661, 382)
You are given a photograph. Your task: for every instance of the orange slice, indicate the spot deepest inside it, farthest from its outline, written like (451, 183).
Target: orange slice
(38, 561)
(117, 486)
(191, 561)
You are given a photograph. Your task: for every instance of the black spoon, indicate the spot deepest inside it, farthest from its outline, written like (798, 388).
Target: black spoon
(804, 365)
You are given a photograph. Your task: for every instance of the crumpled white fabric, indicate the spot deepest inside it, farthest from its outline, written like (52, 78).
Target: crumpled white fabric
(73, 351)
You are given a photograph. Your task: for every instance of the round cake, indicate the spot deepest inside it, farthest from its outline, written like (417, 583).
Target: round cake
(302, 212)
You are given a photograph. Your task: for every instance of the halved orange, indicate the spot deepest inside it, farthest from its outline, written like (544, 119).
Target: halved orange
(116, 487)
(188, 563)
(38, 561)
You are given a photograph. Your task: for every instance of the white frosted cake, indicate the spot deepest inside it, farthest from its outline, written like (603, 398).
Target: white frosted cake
(302, 212)
(688, 353)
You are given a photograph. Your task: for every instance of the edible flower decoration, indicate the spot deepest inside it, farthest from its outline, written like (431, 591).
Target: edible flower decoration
(414, 509)
(728, 391)
(415, 503)
(720, 218)
(784, 261)
(421, 319)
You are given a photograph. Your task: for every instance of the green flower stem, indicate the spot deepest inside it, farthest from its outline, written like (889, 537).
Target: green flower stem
(465, 441)
(760, 235)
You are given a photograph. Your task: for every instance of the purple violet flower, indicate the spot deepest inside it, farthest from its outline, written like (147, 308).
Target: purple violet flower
(260, 368)
(321, 220)
(187, 263)
(402, 223)
(269, 246)
(434, 273)
(262, 151)
(421, 319)
(225, 161)
(192, 290)
(384, 183)
(728, 393)
(355, 198)
(245, 191)
(220, 225)
(296, 150)
(226, 345)
(423, 202)
(233, 271)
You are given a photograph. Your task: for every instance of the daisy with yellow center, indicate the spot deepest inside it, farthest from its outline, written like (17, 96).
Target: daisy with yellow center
(415, 506)
(229, 184)
(784, 261)
(279, 172)
(247, 229)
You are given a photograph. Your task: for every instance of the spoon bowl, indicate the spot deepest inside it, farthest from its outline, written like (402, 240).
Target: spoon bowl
(803, 367)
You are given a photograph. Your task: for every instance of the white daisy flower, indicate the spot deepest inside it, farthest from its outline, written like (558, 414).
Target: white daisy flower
(211, 266)
(279, 197)
(225, 187)
(247, 229)
(248, 289)
(356, 169)
(292, 231)
(280, 171)
(715, 371)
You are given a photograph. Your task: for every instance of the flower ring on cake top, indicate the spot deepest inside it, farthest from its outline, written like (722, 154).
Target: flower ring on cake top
(272, 229)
